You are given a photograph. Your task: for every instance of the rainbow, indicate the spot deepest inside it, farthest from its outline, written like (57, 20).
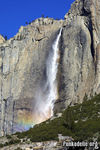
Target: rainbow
(27, 119)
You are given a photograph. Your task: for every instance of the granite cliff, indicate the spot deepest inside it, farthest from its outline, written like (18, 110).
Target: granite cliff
(1, 39)
(23, 61)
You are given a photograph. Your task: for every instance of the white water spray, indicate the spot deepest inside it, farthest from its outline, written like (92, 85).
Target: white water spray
(52, 69)
(48, 94)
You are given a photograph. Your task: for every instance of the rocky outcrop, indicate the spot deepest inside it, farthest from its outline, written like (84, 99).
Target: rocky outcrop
(22, 63)
(1, 39)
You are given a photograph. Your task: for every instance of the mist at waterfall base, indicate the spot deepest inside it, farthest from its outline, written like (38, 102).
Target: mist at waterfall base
(47, 94)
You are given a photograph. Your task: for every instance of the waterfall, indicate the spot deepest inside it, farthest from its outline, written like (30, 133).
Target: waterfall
(48, 94)
(51, 70)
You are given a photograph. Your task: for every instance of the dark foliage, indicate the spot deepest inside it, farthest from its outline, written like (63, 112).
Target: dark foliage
(82, 122)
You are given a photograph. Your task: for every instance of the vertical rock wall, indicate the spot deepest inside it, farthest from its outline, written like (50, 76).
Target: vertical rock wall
(80, 63)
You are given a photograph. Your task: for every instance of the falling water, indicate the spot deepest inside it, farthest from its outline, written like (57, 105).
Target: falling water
(52, 69)
(48, 94)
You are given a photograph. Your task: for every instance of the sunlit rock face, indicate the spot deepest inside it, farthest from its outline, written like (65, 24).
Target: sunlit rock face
(1, 39)
(23, 67)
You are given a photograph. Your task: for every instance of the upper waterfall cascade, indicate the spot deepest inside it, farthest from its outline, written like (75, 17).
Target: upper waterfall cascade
(52, 69)
(49, 92)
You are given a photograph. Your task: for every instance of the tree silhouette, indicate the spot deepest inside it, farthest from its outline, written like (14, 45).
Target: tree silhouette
(5, 37)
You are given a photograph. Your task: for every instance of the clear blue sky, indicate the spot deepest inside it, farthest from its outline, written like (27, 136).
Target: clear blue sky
(14, 13)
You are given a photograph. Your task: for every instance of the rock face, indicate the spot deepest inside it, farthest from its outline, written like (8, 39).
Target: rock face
(1, 39)
(80, 63)
(23, 58)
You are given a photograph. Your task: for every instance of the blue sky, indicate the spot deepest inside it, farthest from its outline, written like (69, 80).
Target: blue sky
(14, 13)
